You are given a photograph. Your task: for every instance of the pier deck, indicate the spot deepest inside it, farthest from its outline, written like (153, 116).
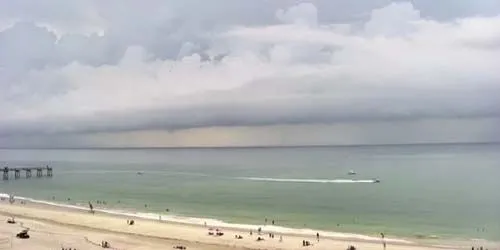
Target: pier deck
(40, 172)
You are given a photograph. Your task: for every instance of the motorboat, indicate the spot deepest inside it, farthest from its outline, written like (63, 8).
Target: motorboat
(351, 172)
(376, 181)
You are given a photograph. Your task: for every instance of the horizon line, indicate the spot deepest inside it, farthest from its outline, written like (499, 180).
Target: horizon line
(262, 146)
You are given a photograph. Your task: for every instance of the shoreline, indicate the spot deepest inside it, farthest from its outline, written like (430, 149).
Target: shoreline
(199, 222)
(289, 230)
(36, 207)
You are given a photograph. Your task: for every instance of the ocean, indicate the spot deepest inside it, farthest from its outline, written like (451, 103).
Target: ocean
(448, 191)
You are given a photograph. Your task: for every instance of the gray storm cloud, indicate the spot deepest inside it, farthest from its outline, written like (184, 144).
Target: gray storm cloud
(159, 65)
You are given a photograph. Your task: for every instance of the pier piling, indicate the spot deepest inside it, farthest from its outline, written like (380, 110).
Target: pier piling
(28, 173)
(39, 172)
(49, 171)
(5, 173)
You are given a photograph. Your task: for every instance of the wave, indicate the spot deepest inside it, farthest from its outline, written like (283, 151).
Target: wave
(213, 222)
(305, 180)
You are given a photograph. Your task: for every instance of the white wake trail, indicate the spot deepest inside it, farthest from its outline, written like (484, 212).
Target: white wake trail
(264, 179)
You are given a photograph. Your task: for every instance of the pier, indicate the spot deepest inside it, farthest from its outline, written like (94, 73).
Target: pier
(40, 172)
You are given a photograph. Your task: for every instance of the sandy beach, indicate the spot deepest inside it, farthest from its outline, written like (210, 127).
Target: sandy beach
(55, 227)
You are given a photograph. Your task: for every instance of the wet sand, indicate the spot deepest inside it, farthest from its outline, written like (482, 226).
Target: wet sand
(55, 227)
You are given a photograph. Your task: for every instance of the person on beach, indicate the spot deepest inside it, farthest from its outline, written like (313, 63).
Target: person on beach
(317, 237)
(91, 207)
(281, 238)
(272, 222)
(382, 235)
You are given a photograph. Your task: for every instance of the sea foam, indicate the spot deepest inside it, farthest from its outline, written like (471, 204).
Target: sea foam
(213, 222)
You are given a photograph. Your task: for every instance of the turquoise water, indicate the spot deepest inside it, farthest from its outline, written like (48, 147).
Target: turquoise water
(451, 191)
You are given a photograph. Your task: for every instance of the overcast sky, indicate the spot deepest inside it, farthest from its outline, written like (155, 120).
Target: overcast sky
(254, 72)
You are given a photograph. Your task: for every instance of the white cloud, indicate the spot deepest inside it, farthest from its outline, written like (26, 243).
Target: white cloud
(395, 19)
(302, 13)
(396, 66)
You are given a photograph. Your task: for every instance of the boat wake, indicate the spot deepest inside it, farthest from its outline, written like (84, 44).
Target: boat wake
(305, 180)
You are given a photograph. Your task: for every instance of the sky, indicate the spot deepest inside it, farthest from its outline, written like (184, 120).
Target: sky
(190, 73)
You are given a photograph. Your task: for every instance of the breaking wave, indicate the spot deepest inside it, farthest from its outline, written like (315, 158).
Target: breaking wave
(198, 221)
